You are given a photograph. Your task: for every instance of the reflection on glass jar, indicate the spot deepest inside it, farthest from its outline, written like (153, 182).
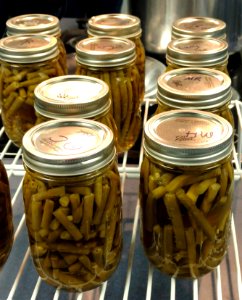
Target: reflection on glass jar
(73, 202)
(186, 191)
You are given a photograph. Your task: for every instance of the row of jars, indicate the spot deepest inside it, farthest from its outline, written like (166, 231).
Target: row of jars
(33, 52)
(72, 192)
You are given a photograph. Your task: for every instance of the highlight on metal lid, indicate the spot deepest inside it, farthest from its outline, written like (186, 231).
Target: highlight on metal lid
(198, 26)
(188, 137)
(28, 48)
(105, 51)
(72, 96)
(33, 24)
(114, 24)
(68, 147)
(200, 52)
(194, 88)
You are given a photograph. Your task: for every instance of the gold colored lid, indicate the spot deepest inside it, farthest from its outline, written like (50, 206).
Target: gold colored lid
(105, 51)
(28, 48)
(188, 137)
(198, 27)
(197, 52)
(33, 24)
(123, 25)
(68, 147)
(72, 96)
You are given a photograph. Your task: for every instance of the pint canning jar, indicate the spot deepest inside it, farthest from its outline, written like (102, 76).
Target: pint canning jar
(38, 24)
(186, 191)
(121, 25)
(197, 53)
(73, 203)
(112, 59)
(198, 26)
(195, 88)
(74, 96)
(6, 217)
(26, 60)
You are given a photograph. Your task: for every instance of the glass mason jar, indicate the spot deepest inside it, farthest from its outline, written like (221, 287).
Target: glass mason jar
(74, 96)
(72, 198)
(112, 59)
(186, 191)
(6, 217)
(195, 88)
(26, 60)
(38, 24)
(197, 52)
(198, 26)
(121, 25)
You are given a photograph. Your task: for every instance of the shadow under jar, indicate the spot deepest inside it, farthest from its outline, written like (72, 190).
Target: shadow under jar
(38, 24)
(6, 217)
(186, 191)
(74, 96)
(73, 203)
(112, 60)
(26, 60)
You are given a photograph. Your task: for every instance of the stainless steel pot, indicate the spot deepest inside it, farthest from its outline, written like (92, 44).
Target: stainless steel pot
(157, 17)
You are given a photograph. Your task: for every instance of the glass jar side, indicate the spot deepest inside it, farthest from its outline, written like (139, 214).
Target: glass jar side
(186, 215)
(6, 217)
(74, 226)
(124, 88)
(17, 84)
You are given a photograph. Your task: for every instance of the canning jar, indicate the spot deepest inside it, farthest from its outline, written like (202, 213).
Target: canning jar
(72, 200)
(195, 88)
(112, 59)
(197, 52)
(6, 217)
(26, 60)
(198, 26)
(186, 191)
(74, 96)
(38, 24)
(121, 25)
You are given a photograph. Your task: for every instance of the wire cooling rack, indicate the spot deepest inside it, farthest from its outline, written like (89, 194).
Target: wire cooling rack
(135, 278)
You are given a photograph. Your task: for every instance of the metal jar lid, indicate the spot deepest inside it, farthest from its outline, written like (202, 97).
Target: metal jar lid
(105, 51)
(199, 52)
(33, 24)
(194, 88)
(28, 48)
(122, 25)
(198, 27)
(72, 96)
(188, 137)
(68, 147)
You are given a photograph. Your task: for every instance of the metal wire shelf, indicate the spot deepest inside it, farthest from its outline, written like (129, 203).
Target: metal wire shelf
(135, 278)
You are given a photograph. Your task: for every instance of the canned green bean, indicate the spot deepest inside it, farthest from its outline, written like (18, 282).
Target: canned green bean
(112, 59)
(26, 60)
(186, 191)
(73, 204)
(121, 25)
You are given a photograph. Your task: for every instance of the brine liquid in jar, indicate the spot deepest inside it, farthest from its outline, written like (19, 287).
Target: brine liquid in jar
(72, 200)
(112, 59)
(186, 191)
(26, 60)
